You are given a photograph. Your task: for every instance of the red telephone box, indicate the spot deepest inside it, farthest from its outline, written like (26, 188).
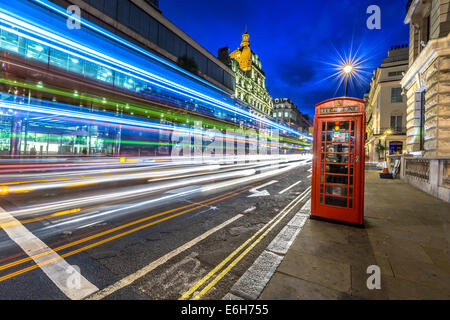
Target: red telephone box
(339, 163)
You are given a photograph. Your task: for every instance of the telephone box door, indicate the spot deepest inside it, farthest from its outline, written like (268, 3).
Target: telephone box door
(339, 168)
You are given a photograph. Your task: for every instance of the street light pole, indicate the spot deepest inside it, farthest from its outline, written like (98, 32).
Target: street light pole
(346, 85)
(348, 69)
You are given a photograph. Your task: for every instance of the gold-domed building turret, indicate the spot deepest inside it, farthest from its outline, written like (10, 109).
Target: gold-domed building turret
(250, 78)
(244, 54)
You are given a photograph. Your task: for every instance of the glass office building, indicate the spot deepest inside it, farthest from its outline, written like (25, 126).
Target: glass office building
(89, 92)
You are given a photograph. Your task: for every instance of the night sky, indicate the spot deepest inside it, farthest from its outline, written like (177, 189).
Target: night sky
(296, 39)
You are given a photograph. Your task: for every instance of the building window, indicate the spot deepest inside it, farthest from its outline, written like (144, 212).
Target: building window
(422, 120)
(395, 73)
(396, 124)
(396, 95)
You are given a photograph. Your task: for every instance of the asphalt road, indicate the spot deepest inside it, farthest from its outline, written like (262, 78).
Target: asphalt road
(139, 230)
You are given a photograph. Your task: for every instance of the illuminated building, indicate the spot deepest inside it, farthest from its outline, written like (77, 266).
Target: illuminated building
(386, 106)
(95, 92)
(286, 112)
(142, 22)
(250, 77)
(426, 81)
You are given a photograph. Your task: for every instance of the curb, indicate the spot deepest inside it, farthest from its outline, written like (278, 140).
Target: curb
(251, 284)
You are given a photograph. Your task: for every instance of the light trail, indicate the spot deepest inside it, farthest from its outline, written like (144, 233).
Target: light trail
(81, 51)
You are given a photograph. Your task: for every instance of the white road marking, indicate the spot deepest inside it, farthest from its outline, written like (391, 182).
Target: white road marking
(145, 270)
(289, 188)
(256, 193)
(56, 268)
(309, 176)
(251, 209)
(251, 284)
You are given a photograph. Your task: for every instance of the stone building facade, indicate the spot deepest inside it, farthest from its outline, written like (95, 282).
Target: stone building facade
(386, 106)
(427, 81)
(249, 75)
(286, 112)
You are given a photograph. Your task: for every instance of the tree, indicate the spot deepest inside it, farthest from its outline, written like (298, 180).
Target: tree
(379, 148)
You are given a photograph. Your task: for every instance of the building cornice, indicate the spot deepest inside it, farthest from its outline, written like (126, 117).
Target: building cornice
(411, 10)
(433, 50)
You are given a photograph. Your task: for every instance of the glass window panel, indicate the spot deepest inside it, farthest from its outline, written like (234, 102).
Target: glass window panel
(124, 12)
(9, 41)
(333, 168)
(338, 202)
(104, 74)
(338, 126)
(336, 190)
(337, 137)
(337, 179)
(338, 147)
(37, 51)
(337, 158)
(59, 59)
(90, 69)
(76, 65)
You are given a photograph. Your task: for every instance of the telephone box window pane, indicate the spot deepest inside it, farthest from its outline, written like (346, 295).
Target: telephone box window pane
(323, 148)
(351, 180)
(339, 126)
(323, 136)
(339, 147)
(338, 202)
(350, 203)
(337, 179)
(337, 137)
(321, 188)
(322, 157)
(351, 192)
(353, 125)
(332, 168)
(321, 199)
(323, 126)
(337, 158)
(351, 169)
(336, 191)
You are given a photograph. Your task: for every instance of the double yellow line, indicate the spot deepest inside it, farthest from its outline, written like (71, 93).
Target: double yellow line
(189, 208)
(251, 243)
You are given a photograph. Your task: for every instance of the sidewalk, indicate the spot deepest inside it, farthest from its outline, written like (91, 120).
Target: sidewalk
(407, 235)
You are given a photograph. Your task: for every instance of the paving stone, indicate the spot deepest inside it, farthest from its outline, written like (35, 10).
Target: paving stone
(400, 289)
(285, 287)
(406, 234)
(331, 274)
(422, 273)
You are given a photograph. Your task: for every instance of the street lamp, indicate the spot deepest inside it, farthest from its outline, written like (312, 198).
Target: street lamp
(384, 137)
(348, 70)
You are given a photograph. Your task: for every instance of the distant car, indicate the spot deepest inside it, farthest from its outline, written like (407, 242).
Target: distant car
(380, 165)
